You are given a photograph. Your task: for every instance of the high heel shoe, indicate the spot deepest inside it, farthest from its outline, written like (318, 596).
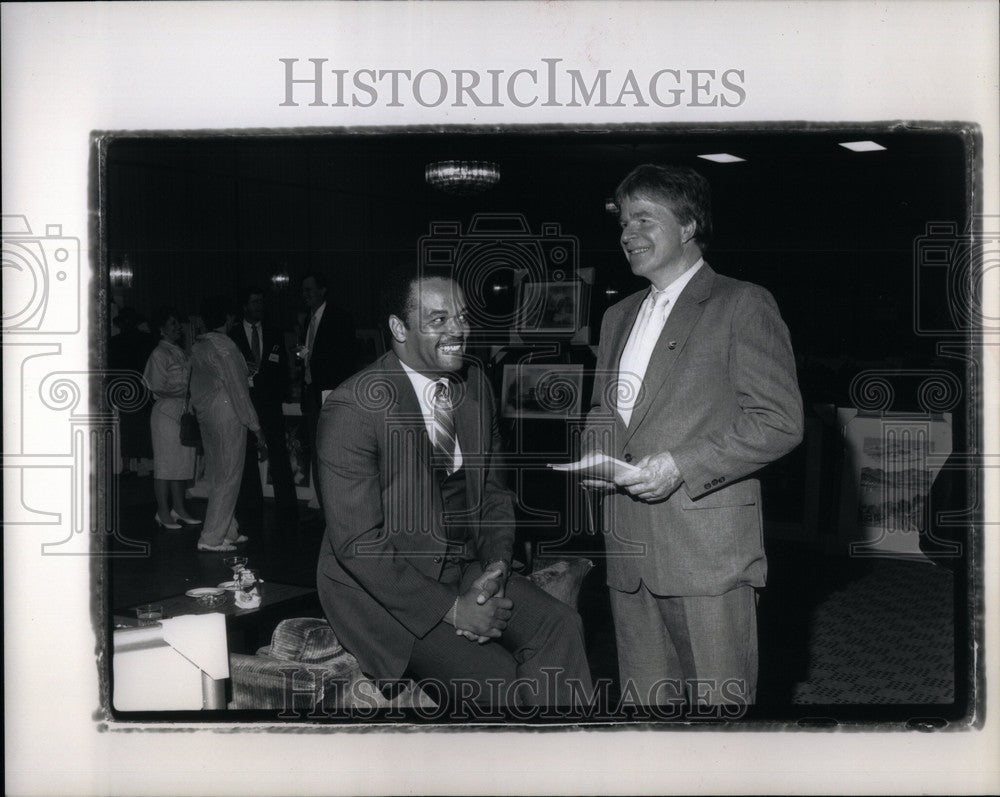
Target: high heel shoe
(186, 521)
(168, 526)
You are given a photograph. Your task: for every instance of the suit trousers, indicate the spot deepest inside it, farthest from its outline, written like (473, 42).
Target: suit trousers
(250, 508)
(700, 650)
(224, 439)
(540, 660)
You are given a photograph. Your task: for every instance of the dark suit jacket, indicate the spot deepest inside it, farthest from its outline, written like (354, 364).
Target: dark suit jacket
(270, 381)
(382, 553)
(335, 351)
(720, 394)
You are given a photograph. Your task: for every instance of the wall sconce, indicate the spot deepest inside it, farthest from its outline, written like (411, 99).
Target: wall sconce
(121, 274)
(462, 177)
(279, 279)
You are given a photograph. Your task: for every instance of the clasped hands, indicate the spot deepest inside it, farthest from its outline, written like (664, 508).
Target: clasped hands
(481, 613)
(656, 478)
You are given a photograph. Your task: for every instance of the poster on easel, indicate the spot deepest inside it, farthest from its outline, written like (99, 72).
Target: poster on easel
(891, 460)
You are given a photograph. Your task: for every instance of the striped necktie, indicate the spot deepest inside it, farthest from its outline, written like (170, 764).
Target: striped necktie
(255, 344)
(444, 425)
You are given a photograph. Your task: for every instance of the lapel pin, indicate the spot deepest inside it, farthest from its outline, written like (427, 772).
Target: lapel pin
(671, 344)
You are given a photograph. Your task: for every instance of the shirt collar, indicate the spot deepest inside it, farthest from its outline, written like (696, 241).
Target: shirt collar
(673, 290)
(423, 386)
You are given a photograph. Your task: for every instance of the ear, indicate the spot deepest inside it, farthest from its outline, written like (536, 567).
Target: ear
(688, 230)
(397, 329)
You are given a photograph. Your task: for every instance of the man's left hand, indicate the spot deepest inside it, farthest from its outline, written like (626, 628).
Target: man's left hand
(656, 479)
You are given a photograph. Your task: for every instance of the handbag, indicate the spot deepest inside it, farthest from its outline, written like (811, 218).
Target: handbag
(190, 430)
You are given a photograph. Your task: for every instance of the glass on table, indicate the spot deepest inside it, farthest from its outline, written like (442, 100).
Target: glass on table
(235, 563)
(149, 613)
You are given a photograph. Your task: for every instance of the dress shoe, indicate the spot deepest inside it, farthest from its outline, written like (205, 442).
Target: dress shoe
(241, 538)
(186, 521)
(224, 546)
(162, 525)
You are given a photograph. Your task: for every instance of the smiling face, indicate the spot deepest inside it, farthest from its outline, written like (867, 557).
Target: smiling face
(656, 245)
(431, 339)
(171, 329)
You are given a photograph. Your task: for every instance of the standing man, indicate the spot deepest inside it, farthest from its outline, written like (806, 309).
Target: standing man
(414, 570)
(263, 347)
(695, 387)
(329, 353)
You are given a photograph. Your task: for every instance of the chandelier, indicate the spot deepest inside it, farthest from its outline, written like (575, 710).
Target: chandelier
(462, 177)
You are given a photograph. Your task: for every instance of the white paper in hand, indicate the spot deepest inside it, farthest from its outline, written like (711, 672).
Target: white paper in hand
(597, 466)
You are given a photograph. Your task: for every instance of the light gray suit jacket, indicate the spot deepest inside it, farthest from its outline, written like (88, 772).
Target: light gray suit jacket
(720, 394)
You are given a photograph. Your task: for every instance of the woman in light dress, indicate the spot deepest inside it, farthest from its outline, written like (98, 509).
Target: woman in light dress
(221, 398)
(166, 375)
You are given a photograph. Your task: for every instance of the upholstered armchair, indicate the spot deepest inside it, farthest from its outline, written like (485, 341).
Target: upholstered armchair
(306, 671)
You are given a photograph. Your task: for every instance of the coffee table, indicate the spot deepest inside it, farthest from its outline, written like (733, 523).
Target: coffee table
(247, 629)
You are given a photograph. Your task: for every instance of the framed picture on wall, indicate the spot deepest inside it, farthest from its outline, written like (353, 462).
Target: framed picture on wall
(542, 390)
(549, 307)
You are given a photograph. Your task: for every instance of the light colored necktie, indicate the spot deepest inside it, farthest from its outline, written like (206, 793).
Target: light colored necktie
(444, 425)
(638, 350)
(255, 343)
(310, 336)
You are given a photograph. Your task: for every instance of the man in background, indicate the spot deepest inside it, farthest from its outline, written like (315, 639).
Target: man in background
(329, 354)
(263, 347)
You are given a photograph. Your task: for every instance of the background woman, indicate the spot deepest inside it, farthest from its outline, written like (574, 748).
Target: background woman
(220, 396)
(166, 375)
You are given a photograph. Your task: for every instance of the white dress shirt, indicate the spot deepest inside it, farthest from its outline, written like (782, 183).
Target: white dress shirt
(424, 388)
(653, 314)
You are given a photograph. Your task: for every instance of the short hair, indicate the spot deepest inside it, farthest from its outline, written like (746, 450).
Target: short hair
(686, 192)
(161, 315)
(247, 292)
(320, 278)
(397, 287)
(215, 311)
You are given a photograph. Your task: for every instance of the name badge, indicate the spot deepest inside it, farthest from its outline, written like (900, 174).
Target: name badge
(273, 357)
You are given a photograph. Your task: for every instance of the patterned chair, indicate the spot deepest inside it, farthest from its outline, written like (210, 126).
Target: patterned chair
(306, 671)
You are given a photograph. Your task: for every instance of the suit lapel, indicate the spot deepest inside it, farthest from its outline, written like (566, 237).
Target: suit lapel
(406, 411)
(670, 344)
(619, 335)
(468, 429)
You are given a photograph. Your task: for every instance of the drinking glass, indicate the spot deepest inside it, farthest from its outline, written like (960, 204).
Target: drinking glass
(246, 579)
(235, 563)
(149, 613)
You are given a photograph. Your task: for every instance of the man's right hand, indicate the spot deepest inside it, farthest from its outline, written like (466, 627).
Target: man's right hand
(485, 620)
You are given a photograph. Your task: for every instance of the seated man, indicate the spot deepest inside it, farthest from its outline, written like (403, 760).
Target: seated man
(414, 569)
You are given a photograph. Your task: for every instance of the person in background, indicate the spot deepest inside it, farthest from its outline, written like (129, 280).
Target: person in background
(128, 351)
(696, 387)
(329, 354)
(263, 348)
(221, 400)
(166, 375)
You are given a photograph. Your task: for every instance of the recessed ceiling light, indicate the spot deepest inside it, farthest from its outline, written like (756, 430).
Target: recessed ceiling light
(722, 157)
(861, 146)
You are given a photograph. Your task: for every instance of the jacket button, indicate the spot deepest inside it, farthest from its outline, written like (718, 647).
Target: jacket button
(715, 482)
(628, 457)
(437, 559)
(722, 479)
(708, 486)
